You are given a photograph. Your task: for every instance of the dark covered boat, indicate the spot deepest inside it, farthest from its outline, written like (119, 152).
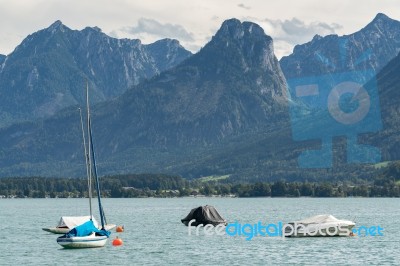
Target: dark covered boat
(204, 215)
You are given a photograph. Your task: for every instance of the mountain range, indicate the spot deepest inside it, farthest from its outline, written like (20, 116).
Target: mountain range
(323, 74)
(370, 48)
(221, 111)
(48, 70)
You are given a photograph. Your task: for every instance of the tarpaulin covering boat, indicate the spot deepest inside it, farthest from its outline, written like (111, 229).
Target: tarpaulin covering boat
(87, 229)
(204, 215)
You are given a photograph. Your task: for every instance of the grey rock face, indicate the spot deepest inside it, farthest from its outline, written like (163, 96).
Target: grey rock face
(370, 48)
(49, 69)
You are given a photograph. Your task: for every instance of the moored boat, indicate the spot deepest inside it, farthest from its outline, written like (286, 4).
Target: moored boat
(87, 235)
(319, 225)
(84, 236)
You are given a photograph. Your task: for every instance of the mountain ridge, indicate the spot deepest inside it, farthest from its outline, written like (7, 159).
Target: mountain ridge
(222, 111)
(209, 74)
(46, 72)
(371, 47)
(217, 94)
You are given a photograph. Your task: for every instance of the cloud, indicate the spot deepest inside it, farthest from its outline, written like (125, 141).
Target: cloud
(296, 31)
(153, 27)
(290, 32)
(243, 6)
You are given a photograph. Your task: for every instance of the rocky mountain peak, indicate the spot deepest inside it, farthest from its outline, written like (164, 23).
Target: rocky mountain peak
(167, 43)
(167, 51)
(93, 29)
(317, 37)
(242, 45)
(57, 25)
(97, 29)
(236, 30)
(381, 24)
(380, 17)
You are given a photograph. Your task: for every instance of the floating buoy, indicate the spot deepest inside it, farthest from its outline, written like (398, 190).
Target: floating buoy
(117, 242)
(119, 229)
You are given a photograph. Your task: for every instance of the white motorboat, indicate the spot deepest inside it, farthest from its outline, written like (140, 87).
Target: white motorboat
(319, 225)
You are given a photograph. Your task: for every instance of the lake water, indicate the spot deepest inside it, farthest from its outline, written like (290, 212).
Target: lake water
(154, 234)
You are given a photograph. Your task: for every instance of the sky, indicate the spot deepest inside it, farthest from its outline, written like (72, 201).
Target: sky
(193, 23)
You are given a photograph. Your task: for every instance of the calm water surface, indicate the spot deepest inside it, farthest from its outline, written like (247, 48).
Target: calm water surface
(154, 234)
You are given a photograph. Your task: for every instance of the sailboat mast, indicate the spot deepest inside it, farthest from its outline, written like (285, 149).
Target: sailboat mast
(97, 183)
(92, 158)
(89, 141)
(87, 166)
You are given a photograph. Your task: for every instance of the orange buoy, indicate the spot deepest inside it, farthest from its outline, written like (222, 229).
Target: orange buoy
(117, 242)
(119, 229)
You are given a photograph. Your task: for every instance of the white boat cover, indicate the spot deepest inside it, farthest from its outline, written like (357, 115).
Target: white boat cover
(74, 221)
(322, 219)
(320, 225)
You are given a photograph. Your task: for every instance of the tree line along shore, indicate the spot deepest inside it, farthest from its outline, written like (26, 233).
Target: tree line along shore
(159, 185)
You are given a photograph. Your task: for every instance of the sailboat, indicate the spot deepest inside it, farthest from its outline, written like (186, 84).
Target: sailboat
(87, 235)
